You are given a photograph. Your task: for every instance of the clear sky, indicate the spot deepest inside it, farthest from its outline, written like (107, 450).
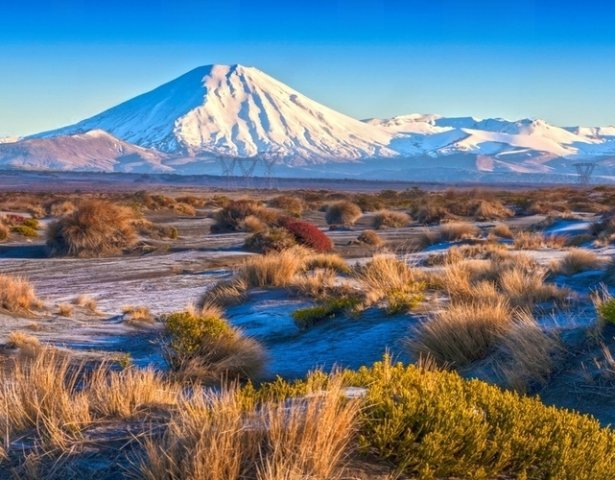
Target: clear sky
(64, 60)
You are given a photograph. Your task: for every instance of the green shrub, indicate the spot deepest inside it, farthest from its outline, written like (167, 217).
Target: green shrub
(402, 300)
(435, 424)
(31, 222)
(188, 329)
(606, 310)
(25, 231)
(307, 317)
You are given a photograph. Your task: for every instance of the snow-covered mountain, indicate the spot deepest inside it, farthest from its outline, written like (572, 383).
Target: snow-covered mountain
(94, 150)
(214, 113)
(237, 111)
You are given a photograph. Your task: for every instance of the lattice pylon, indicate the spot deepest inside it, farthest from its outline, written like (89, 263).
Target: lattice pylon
(584, 170)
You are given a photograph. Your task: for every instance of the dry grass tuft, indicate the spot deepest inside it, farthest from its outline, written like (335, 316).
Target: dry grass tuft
(219, 438)
(17, 294)
(343, 213)
(86, 302)
(370, 237)
(462, 333)
(502, 230)
(536, 241)
(529, 353)
(65, 310)
(578, 260)
(97, 228)
(28, 344)
(390, 218)
(453, 231)
(137, 315)
(276, 269)
(226, 293)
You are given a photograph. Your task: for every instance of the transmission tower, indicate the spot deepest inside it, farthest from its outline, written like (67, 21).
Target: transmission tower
(584, 170)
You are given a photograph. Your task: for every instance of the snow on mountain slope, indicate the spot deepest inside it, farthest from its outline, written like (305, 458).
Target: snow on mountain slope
(95, 150)
(237, 111)
(8, 139)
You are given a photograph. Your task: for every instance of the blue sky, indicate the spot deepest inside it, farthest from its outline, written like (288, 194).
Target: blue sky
(64, 60)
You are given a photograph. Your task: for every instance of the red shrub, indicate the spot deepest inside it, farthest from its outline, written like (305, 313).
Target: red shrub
(307, 234)
(15, 219)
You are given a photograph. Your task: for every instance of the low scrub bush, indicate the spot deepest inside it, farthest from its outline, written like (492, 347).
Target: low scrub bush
(454, 231)
(342, 213)
(202, 345)
(308, 234)
(137, 315)
(491, 210)
(309, 316)
(274, 239)
(290, 204)
(231, 217)
(65, 310)
(370, 237)
(578, 260)
(536, 240)
(390, 218)
(86, 302)
(25, 231)
(97, 228)
(17, 294)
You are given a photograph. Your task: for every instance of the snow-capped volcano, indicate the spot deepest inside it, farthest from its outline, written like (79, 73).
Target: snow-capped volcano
(195, 123)
(236, 111)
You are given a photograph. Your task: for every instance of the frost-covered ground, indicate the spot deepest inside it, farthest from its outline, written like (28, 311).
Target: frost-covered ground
(173, 276)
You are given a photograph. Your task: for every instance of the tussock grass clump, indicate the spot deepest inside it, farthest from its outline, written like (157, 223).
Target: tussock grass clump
(61, 208)
(17, 294)
(386, 278)
(275, 239)
(28, 344)
(578, 260)
(536, 240)
(529, 353)
(25, 231)
(502, 230)
(65, 310)
(462, 333)
(370, 237)
(276, 269)
(342, 213)
(453, 231)
(225, 294)
(289, 203)
(231, 217)
(459, 253)
(390, 218)
(491, 210)
(291, 439)
(86, 302)
(202, 345)
(4, 231)
(97, 228)
(137, 315)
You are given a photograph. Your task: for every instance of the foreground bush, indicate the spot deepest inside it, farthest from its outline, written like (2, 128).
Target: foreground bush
(342, 213)
(274, 239)
(202, 345)
(434, 424)
(307, 234)
(17, 294)
(97, 228)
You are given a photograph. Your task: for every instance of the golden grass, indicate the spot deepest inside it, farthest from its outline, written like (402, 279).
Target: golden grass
(65, 309)
(536, 241)
(529, 353)
(97, 228)
(370, 237)
(86, 302)
(17, 294)
(137, 315)
(226, 293)
(342, 213)
(526, 288)
(390, 218)
(27, 344)
(276, 269)
(502, 230)
(453, 231)
(578, 260)
(462, 333)
(219, 437)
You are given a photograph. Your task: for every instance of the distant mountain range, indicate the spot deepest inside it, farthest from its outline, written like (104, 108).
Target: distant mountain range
(215, 116)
